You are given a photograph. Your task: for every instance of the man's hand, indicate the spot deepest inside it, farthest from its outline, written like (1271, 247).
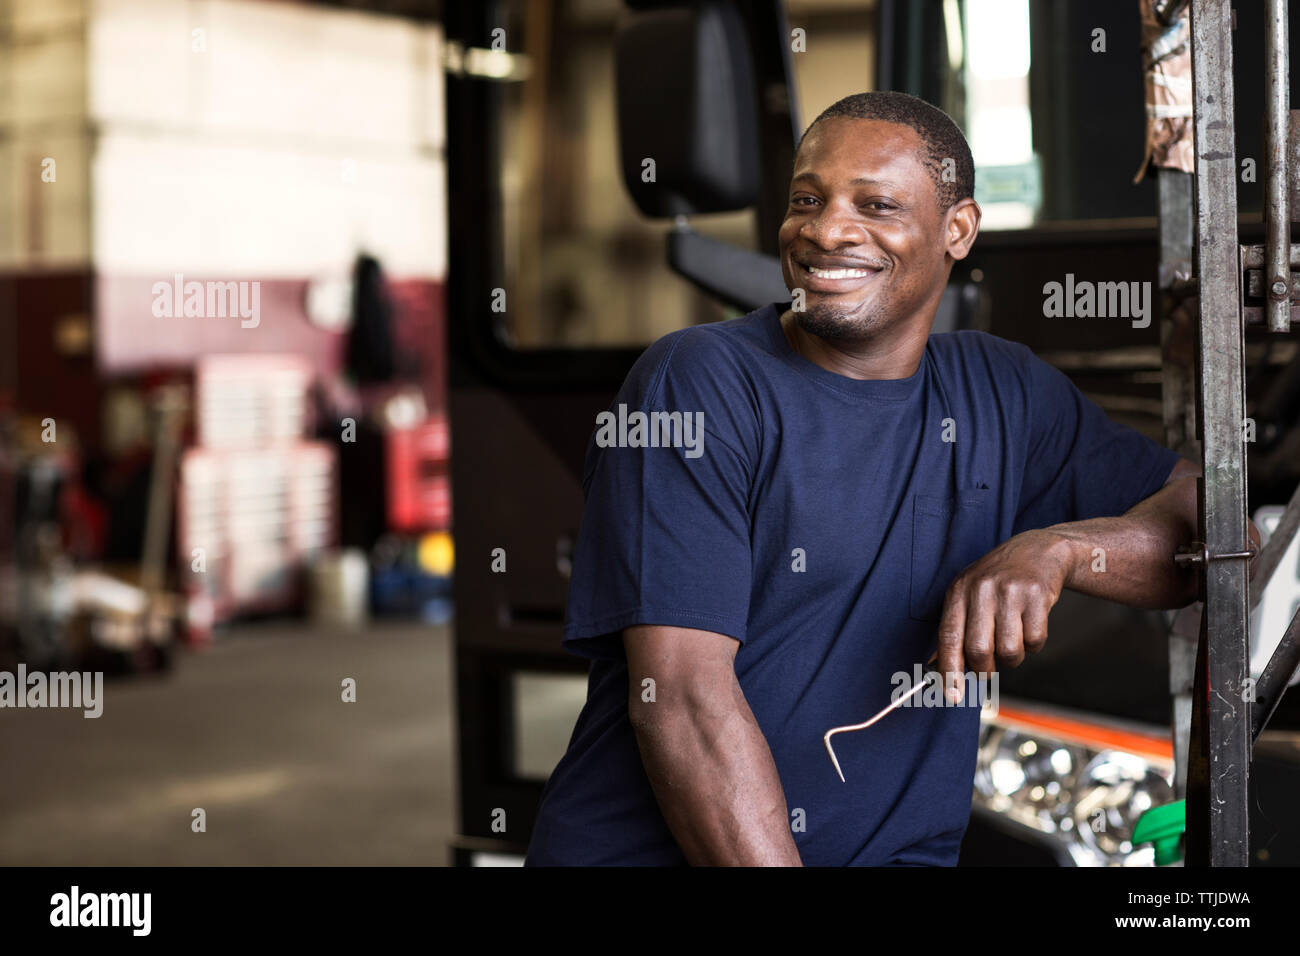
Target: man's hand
(996, 610)
(997, 607)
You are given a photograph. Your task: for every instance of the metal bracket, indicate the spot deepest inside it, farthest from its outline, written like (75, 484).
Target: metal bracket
(1198, 553)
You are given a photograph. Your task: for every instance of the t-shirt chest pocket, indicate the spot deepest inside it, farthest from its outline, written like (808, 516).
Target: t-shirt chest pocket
(948, 533)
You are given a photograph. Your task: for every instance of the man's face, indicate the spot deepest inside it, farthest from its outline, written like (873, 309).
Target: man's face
(863, 235)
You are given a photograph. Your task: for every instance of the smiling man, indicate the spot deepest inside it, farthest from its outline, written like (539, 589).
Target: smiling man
(869, 495)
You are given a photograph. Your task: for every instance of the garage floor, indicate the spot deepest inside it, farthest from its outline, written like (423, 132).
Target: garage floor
(253, 731)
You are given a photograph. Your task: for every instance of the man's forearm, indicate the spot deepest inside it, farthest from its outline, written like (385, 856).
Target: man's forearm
(716, 783)
(996, 610)
(1129, 558)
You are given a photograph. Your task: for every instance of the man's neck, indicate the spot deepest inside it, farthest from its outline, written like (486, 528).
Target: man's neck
(884, 357)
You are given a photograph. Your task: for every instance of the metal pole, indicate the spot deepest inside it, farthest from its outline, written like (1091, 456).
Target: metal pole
(1222, 408)
(1275, 549)
(1273, 682)
(1277, 214)
(1177, 242)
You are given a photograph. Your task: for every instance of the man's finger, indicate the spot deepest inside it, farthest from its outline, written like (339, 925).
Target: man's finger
(1010, 634)
(981, 626)
(952, 633)
(1035, 621)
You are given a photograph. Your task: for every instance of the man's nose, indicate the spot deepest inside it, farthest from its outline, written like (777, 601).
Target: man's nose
(834, 227)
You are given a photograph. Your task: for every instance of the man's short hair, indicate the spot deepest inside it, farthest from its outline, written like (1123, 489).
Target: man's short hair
(942, 138)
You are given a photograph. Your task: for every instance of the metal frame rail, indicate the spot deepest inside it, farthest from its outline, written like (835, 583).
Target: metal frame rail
(1228, 710)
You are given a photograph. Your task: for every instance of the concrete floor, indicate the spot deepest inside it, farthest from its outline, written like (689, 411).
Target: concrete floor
(254, 732)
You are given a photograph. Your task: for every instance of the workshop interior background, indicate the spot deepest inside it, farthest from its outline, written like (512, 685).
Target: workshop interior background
(225, 397)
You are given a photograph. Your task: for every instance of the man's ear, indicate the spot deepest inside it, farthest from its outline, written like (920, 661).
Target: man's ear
(962, 222)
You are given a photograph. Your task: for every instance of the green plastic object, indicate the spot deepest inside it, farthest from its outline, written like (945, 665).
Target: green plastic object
(1163, 826)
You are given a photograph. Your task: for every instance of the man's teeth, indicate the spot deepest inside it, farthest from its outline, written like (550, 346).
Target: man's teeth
(838, 273)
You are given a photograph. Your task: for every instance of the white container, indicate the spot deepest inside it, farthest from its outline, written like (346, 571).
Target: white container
(340, 589)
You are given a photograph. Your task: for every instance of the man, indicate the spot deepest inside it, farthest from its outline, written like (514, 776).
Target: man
(862, 496)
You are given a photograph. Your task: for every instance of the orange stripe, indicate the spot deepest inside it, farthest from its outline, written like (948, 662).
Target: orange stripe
(1144, 745)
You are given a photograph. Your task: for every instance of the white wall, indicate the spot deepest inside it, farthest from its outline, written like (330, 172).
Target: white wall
(220, 138)
(43, 116)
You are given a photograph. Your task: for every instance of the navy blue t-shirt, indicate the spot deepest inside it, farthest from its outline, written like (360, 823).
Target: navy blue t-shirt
(819, 522)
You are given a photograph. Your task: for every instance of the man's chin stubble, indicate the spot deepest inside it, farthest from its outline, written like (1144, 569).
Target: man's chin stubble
(833, 325)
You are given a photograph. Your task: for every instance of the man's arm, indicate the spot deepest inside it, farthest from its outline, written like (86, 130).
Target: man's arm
(996, 610)
(707, 759)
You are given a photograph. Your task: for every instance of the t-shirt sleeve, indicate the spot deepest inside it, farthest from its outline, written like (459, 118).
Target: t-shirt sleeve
(665, 533)
(1079, 464)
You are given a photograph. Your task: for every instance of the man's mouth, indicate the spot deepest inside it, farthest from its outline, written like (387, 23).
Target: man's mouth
(838, 273)
(833, 278)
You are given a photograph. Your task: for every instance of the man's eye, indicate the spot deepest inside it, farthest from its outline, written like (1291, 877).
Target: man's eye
(881, 206)
(802, 201)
